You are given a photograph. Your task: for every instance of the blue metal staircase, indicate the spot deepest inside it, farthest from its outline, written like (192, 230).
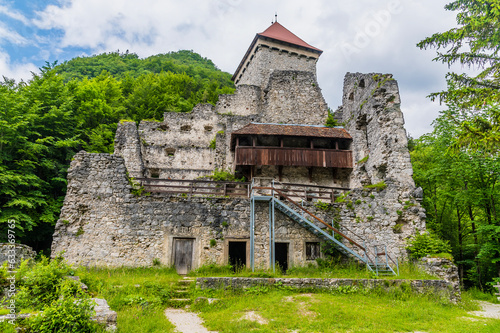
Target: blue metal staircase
(308, 220)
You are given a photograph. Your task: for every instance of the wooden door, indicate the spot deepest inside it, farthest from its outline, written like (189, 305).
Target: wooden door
(183, 254)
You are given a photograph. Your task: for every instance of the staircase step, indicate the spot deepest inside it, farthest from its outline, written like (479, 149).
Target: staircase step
(179, 302)
(185, 282)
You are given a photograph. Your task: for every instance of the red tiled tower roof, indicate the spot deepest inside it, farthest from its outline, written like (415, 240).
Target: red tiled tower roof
(280, 33)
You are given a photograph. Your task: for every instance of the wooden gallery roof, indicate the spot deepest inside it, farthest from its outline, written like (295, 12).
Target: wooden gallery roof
(292, 130)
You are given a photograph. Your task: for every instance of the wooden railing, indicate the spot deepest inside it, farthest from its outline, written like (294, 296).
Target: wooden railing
(195, 187)
(285, 156)
(237, 189)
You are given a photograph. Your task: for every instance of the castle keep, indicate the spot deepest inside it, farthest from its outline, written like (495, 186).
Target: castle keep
(355, 180)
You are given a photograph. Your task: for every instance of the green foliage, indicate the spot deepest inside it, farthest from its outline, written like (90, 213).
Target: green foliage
(330, 120)
(65, 314)
(212, 144)
(341, 198)
(137, 188)
(39, 284)
(224, 175)
(324, 206)
(397, 229)
(460, 190)
(213, 242)
(364, 159)
(378, 186)
(473, 100)
(62, 305)
(156, 262)
(77, 105)
(427, 244)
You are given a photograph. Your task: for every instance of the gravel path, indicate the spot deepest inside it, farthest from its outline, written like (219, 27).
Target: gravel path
(186, 322)
(490, 310)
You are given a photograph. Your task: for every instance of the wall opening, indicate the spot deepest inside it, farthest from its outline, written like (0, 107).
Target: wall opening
(170, 151)
(312, 250)
(183, 255)
(237, 252)
(281, 255)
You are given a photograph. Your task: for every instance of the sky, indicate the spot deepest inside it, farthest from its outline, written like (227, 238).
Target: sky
(367, 36)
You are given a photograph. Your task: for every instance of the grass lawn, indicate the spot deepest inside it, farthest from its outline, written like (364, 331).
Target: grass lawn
(140, 295)
(284, 311)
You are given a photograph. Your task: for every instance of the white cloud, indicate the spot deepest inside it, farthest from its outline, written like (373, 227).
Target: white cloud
(11, 36)
(17, 71)
(14, 14)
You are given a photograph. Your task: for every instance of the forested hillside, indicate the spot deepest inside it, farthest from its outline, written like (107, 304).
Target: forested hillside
(76, 105)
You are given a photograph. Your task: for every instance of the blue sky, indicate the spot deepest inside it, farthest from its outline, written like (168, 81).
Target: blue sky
(356, 36)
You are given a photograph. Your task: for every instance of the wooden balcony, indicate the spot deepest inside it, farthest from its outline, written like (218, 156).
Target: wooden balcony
(285, 156)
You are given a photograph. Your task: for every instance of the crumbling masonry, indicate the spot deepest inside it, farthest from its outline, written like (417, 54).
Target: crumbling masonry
(103, 222)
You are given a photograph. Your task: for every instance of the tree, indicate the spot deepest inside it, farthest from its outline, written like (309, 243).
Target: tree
(458, 165)
(474, 43)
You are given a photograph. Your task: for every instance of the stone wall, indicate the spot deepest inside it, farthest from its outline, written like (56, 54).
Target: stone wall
(390, 213)
(245, 101)
(434, 287)
(15, 253)
(102, 223)
(293, 97)
(444, 269)
(372, 116)
(128, 146)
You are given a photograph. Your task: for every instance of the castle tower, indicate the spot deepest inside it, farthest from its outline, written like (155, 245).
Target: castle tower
(275, 49)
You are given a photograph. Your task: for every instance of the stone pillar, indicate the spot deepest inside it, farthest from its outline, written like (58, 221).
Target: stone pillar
(128, 146)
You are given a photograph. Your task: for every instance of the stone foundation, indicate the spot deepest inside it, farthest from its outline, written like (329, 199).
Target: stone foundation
(435, 287)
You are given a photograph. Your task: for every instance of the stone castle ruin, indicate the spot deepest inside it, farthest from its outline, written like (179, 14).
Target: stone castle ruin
(149, 201)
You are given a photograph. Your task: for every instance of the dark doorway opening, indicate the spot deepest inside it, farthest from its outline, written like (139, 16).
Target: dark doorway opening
(183, 255)
(237, 254)
(281, 255)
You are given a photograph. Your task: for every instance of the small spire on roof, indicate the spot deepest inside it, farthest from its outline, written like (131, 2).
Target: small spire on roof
(275, 17)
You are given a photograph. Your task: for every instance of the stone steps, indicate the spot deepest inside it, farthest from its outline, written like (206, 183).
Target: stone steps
(180, 296)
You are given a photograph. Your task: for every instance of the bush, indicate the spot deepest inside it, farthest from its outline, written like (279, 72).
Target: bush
(38, 284)
(65, 315)
(63, 305)
(3, 274)
(427, 244)
(223, 175)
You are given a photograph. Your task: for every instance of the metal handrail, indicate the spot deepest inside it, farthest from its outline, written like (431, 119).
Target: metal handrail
(311, 214)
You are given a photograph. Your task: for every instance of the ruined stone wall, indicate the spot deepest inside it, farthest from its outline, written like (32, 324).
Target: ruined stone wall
(294, 97)
(128, 146)
(273, 56)
(437, 288)
(179, 147)
(102, 223)
(14, 254)
(391, 212)
(372, 115)
(300, 175)
(246, 100)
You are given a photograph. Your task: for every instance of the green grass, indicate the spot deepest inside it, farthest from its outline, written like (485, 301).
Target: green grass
(324, 270)
(286, 311)
(138, 295)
